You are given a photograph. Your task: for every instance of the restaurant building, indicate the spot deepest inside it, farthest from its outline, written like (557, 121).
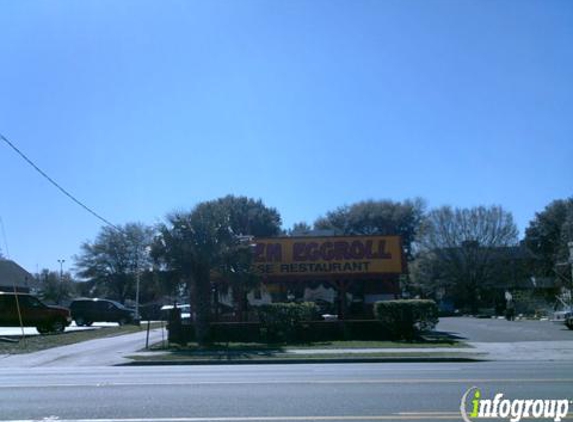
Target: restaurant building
(344, 275)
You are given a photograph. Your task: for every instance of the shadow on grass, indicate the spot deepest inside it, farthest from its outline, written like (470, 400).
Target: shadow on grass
(233, 350)
(225, 350)
(441, 337)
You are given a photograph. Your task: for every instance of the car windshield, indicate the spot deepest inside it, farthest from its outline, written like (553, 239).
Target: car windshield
(117, 304)
(286, 210)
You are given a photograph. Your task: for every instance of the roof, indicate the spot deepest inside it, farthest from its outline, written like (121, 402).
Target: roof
(12, 275)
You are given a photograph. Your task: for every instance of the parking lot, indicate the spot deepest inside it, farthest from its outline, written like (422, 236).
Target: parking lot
(503, 331)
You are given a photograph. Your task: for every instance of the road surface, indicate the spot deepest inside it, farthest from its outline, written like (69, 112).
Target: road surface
(331, 392)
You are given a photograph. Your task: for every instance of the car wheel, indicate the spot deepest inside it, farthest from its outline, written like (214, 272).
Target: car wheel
(80, 322)
(569, 324)
(42, 329)
(88, 323)
(58, 326)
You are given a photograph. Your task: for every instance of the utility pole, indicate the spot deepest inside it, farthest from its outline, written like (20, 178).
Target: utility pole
(570, 244)
(137, 282)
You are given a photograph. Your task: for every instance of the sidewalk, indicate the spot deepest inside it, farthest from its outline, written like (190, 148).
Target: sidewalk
(105, 351)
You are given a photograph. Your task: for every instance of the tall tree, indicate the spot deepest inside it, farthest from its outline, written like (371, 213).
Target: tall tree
(55, 287)
(213, 237)
(112, 261)
(459, 249)
(548, 234)
(300, 229)
(250, 217)
(377, 218)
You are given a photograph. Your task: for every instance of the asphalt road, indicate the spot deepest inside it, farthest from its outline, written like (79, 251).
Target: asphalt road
(502, 331)
(343, 392)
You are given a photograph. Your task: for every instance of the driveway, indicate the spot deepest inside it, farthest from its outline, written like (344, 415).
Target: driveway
(100, 352)
(512, 340)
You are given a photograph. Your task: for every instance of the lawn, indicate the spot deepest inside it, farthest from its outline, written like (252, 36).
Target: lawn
(352, 344)
(429, 340)
(270, 357)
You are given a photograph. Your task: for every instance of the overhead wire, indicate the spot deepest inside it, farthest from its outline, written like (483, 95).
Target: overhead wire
(57, 185)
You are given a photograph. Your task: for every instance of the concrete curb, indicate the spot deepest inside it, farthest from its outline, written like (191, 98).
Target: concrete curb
(295, 361)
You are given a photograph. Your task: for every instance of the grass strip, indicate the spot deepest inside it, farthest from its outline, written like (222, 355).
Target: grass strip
(179, 358)
(331, 345)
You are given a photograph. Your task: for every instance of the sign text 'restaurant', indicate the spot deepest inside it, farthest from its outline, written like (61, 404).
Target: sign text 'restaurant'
(328, 255)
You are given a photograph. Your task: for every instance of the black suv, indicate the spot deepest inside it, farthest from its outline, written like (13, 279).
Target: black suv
(34, 313)
(569, 321)
(87, 311)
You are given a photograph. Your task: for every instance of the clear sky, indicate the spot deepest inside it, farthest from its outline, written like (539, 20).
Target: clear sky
(140, 108)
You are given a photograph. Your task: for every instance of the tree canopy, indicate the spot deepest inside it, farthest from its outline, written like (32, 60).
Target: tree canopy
(113, 259)
(213, 237)
(371, 217)
(300, 229)
(55, 287)
(458, 249)
(548, 234)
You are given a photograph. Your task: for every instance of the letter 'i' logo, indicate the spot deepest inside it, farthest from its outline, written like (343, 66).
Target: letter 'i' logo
(475, 404)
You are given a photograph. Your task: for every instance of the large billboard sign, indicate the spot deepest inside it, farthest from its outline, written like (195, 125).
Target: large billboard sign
(324, 256)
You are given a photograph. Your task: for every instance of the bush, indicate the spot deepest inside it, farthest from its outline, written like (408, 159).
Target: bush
(236, 332)
(303, 332)
(281, 321)
(347, 330)
(405, 318)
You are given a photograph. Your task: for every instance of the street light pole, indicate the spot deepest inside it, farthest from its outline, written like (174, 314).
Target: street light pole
(60, 288)
(61, 261)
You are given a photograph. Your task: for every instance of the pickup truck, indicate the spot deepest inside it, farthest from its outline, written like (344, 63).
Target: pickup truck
(28, 310)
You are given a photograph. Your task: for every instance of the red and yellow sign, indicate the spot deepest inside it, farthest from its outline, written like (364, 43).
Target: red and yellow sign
(320, 256)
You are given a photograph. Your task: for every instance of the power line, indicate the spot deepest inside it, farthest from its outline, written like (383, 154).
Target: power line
(53, 182)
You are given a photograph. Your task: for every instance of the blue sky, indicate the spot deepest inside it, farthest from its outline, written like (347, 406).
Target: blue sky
(140, 108)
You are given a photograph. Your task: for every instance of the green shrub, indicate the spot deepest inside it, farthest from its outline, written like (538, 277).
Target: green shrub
(281, 321)
(346, 330)
(304, 332)
(240, 332)
(405, 318)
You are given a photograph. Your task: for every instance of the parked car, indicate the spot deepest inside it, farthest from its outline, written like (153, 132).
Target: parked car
(86, 311)
(185, 312)
(34, 313)
(561, 317)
